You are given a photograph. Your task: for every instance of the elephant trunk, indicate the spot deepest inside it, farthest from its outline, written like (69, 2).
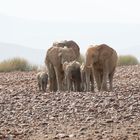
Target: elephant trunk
(89, 62)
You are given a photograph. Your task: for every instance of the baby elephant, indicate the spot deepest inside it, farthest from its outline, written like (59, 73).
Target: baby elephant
(72, 75)
(42, 78)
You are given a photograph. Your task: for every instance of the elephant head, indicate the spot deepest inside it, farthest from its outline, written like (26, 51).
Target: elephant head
(66, 54)
(92, 56)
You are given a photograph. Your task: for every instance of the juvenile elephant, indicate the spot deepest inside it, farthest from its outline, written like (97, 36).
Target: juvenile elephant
(55, 57)
(42, 79)
(103, 60)
(87, 78)
(72, 76)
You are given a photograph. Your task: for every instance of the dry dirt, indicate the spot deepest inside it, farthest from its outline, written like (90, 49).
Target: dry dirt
(27, 114)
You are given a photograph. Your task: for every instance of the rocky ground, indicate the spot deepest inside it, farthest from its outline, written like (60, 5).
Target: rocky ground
(27, 114)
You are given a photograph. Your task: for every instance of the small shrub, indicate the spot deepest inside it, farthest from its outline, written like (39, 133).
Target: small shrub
(16, 64)
(127, 60)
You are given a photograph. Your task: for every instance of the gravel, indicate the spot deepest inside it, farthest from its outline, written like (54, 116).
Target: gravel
(28, 114)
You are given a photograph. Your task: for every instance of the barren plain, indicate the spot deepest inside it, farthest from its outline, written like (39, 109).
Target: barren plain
(27, 114)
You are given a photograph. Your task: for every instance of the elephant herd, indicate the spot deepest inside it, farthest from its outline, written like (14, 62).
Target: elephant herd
(65, 73)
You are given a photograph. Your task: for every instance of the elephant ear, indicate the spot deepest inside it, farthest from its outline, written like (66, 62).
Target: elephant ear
(60, 54)
(67, 54)
(95, 56)
(64, 54)
(105, 52)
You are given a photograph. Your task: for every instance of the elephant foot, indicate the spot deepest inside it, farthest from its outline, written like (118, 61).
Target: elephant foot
(110, 89)
(99, 88)
(92, 89)
(104, 88)
(59, 91)
(87, 90)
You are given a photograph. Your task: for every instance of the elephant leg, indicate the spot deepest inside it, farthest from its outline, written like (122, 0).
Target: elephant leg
(85, 86)
(42, 85)
(104, 81)
(64, 84)
(92, 82)
(58, 78)
(45, 86)
(82, 86)
(52, 78)
(98, 78)
(87, 81)
(39, 85)
(78, 86)
(74, 87)
(82, 82)
(105, 76)
(53, 84)
(111, 80)
(69, 85)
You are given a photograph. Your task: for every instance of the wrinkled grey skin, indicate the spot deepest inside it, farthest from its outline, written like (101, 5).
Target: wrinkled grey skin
(72, 76)
(42, 78)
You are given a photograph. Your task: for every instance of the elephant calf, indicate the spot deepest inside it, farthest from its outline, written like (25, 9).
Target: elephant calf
(72, 75)
(42, 78)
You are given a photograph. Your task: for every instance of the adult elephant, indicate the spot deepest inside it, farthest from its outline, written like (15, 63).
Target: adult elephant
(55, 57)
(103, 60)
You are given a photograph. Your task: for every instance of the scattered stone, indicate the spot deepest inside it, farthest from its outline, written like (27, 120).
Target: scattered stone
(25, 112)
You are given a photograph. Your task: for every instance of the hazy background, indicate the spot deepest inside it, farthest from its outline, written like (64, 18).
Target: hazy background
(28, 28)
